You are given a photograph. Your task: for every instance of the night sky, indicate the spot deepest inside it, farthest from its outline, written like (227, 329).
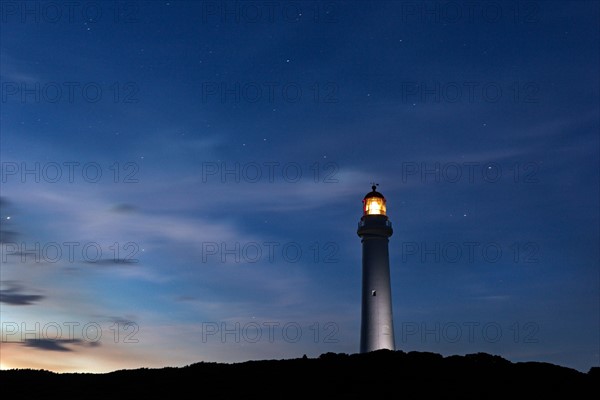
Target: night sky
(182, 181)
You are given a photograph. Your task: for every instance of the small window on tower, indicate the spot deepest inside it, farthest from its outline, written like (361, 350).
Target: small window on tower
(373, 292)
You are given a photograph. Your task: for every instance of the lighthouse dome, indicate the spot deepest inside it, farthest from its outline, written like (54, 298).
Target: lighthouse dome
(373, 193)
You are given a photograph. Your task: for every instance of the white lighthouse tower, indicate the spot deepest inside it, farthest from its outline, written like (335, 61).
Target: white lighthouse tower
(374, 229)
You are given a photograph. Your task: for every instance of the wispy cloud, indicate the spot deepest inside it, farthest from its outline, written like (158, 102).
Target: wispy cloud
(497, 298)
(56, 344)
(15, 71)
(15, 295)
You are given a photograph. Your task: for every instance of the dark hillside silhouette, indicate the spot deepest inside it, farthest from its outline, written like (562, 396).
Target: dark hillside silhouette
(426, 375)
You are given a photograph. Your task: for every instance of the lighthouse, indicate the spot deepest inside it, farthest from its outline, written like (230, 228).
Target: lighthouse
(374, 229)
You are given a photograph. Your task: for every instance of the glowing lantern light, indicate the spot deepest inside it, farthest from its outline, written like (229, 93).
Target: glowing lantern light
(374, 203)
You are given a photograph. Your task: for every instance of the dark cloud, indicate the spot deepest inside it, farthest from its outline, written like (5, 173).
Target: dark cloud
(185, 298)
(113, 261)
(126, 320)
(50, 344)
(119, 320)
(124, 208)
(7, 236)
(123, 321)
(58, 344)
(14, 296)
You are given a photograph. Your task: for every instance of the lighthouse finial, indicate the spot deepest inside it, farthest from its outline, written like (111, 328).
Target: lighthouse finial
(374, 185)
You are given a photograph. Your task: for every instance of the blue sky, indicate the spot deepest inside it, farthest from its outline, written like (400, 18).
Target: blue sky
(182, 181)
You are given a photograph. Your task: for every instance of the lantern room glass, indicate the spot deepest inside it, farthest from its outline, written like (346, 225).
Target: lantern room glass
(374, 206)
